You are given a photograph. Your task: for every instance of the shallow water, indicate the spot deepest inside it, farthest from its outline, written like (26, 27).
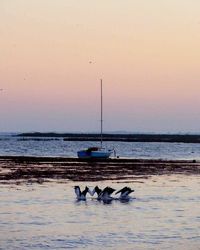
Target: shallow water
(57, 147)
(164, 214)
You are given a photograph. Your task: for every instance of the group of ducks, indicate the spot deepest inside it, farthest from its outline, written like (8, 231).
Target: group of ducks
(103, 194)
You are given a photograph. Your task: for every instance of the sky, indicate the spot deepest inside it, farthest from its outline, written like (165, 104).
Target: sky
(53, 54)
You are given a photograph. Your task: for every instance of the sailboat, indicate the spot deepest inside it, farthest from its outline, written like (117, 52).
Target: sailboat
(96, 152)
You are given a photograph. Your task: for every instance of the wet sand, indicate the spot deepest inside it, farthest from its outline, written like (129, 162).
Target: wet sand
(39, 169)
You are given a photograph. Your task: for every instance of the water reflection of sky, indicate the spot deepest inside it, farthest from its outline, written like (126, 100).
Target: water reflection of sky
(163, 215)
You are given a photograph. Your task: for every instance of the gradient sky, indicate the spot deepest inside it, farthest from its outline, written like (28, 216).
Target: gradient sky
(54, 52)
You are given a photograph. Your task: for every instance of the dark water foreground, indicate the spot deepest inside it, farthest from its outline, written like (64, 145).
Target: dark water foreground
(39, 169)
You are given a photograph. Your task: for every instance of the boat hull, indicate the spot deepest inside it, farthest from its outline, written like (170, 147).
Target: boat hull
(100, 154)
(84, 154)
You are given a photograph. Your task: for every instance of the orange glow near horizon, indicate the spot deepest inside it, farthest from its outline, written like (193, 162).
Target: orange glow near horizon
(53, 54)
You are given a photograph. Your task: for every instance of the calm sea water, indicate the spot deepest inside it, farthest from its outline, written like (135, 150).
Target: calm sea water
(164, 214)
(57, 147)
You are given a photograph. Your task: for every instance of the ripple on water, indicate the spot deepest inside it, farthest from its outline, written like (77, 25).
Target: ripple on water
(48, 217)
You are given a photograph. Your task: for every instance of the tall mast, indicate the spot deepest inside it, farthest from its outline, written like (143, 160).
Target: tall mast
(101, 114)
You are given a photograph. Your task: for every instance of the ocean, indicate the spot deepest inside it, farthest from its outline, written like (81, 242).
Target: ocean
(31, 146)
(162, 214)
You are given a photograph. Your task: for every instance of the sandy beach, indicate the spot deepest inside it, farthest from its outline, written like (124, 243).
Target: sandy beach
(41, 169)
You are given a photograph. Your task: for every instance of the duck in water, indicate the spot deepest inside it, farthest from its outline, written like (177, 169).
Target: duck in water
(81, 196)
(124, 193)
(105, 194)
(96, 190)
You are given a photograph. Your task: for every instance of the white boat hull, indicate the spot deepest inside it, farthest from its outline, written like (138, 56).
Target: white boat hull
(101, 154)
(98, 154)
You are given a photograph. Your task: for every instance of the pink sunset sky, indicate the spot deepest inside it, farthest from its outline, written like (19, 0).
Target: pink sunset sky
(54, 52)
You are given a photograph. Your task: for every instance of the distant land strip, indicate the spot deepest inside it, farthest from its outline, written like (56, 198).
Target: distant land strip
(178, 138)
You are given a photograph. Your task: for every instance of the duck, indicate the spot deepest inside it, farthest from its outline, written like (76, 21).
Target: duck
(96, 190)
(81, 195)
(125, 193)
(105, 194)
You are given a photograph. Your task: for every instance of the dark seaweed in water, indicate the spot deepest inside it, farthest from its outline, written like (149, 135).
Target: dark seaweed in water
(20, 167)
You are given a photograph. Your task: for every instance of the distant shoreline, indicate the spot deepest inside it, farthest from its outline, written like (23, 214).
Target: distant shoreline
(170, 138)
(19, 169)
